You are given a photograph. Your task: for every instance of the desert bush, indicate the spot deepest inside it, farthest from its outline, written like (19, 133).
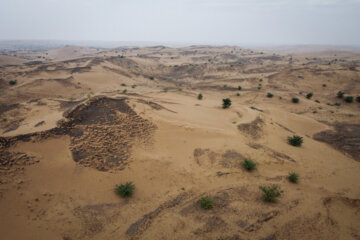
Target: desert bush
(226, 102)
(317, 101)
(12, 82)
(206, 202)
(248, 164)
(123, 84)
(337, 104)
(125, 190)
(309, 95)
(239, 88)
(293, 177)
(124, 91)
(324, 85)
(151, 78)
(238, 94)
(295, 141)
(358, 99)
(165, 89)
(340, 94)
(133, 86)
(270, 193)
(225, 86)
(200, 96)
(349, 99)
(295, 100)
(269, 95)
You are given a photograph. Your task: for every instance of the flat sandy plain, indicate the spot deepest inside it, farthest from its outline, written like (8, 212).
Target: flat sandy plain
(81, 120)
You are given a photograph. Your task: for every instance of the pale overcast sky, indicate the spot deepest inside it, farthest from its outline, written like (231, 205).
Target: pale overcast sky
(184, 21)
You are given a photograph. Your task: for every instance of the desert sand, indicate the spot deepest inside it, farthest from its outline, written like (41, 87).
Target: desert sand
(80, 121)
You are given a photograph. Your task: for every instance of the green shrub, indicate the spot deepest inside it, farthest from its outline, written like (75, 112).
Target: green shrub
(123, 84)
(226, 102)
(270, 193)
(200, 96)
(358, 99)
(125, 190)
(206, 202)
(238, 94)
(309, 95)
(324, 85)
(349, 99)
(225, 86)
(295, 100)
(340, 94)
(12, 82)
(337, 104)
(293, 177)
(151, 78)
(295, 141)
(269, 95)
(124, 91)
(239, 88)
(248, 164)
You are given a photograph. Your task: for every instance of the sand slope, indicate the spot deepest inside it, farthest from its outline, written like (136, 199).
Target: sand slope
(71, 133)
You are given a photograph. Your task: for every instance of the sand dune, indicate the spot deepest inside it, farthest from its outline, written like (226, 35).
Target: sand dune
(84, 120)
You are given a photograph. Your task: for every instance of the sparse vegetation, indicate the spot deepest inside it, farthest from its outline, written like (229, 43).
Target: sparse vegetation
(226, 103)
(124, 91)
(248, 164)
(123, 84)
(309, 95)
(270, 193)
(340, 94)
(358, 99)
(269, 95)
(239, 88)
(238, 94)
(165, 89)
(125, 190)
(200, 96)
(293, 177)
(337, 104)
(12, 82)
(151, 78)
(206, 202)
(349, 99)
(317, 101)
(324, 85)
(295, 100)
(295, 141)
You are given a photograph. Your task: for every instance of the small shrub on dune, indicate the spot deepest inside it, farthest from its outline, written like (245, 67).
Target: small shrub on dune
(200, 96)
(124, 91)
(270, 193)
(238, 94)
(206, 202)
(12, 82)
(239, 88)
(349, 99)
(324, 85)
(295, 141)
(248, 164)
(309, 95)
(125, 190)
(340, 94)
(293, 177)
(226, 103)
(295, 100)
(358, 99)
(269, 95)
(151, 78)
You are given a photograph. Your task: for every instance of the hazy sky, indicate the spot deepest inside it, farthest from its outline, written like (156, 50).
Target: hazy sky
(184, 21)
